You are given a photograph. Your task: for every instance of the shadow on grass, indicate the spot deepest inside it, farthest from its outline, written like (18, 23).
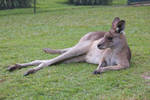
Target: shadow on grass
(16, 11)
(67, 6)
(38, 10)
(113, 4)
(64, 3)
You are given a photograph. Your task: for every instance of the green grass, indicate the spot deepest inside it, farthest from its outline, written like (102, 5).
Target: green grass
(58, 25)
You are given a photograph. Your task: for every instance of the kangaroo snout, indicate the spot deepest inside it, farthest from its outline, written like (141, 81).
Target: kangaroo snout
(100, 46)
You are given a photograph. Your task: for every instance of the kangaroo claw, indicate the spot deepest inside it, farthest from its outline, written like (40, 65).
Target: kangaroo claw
(13, 67)
(31, 71)
(96, 72)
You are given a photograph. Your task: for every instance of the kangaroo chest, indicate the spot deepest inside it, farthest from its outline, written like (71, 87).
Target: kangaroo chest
(111, 59)
(95, 55)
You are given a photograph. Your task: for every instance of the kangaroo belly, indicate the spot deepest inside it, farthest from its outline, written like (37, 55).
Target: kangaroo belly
(94, 55)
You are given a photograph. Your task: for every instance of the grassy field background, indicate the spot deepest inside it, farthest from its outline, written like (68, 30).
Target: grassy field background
(23, 35)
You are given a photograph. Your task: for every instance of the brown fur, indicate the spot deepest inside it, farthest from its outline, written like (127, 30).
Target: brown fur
(107, 49)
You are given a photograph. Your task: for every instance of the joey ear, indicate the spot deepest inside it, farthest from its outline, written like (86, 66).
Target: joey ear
(115, 22)
(120, 26)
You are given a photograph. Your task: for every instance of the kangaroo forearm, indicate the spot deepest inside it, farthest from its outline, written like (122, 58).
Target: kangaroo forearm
(116, 67)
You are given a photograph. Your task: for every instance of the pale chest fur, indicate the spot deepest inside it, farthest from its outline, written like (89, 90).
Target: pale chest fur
(95, 55)
(111, 59)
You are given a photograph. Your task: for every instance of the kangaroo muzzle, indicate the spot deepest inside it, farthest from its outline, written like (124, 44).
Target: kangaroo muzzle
(100, 46)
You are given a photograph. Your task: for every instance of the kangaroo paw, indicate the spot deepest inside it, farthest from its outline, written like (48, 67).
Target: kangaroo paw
(13, 67)
(48, 50)
(51, 51)
(97, 72)
(31, 71)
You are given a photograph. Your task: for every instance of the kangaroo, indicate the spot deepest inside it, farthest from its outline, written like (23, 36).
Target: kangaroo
(107, 49)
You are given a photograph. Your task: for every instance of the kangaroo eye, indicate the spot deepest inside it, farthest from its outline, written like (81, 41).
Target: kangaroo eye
(109, 38)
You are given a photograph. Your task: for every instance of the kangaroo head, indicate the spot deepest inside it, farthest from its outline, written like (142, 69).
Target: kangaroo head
(114, 38)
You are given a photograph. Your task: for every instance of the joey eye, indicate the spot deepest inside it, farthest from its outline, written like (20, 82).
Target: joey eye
(110, 38)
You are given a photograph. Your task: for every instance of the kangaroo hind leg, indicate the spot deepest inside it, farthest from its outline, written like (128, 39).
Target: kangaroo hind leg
(19, 66)
(55, 51)
(77, 50)
(75, 59)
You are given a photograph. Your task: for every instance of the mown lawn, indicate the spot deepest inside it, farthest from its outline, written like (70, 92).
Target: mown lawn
(23, 35)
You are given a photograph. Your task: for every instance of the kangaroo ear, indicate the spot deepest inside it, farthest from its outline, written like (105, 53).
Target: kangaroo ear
(120, 26)
(115, 22)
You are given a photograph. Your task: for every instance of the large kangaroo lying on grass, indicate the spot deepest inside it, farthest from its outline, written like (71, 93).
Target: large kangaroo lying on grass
(107, 49)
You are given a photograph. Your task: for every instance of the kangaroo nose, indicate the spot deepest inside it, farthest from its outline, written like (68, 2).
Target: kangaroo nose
(99, 45)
